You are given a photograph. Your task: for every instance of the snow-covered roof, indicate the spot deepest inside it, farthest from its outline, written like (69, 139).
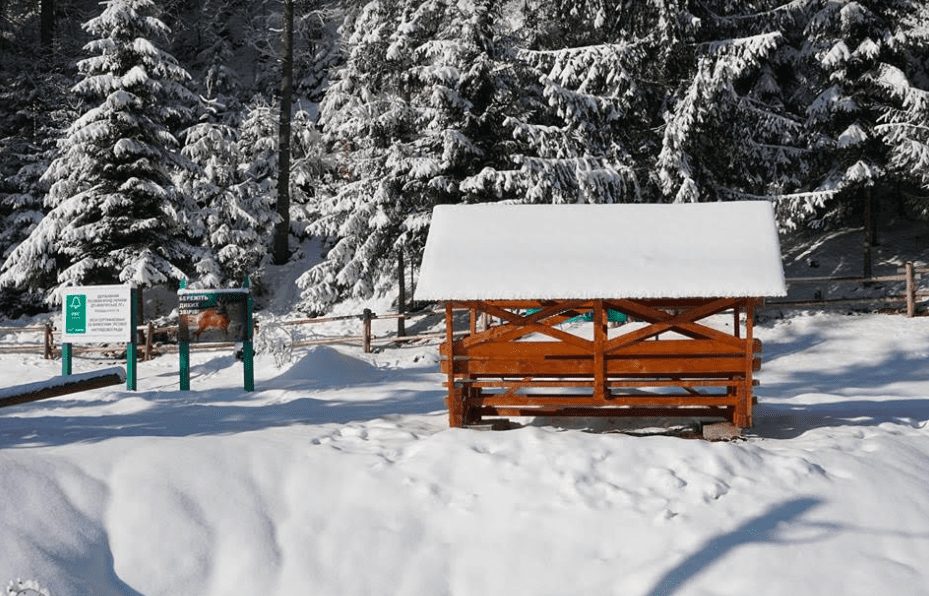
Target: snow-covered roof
(500, 252)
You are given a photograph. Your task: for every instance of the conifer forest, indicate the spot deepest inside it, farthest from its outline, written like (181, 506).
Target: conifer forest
(149, 142)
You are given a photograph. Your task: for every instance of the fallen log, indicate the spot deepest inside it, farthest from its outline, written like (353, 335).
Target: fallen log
(21, 394)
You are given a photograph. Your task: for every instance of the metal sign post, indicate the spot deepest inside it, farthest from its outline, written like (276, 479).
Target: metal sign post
(75, 321)
(132, 358)
(183, 349)
(66, 360)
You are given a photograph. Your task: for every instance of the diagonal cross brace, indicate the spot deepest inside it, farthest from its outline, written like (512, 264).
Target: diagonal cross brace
(662, 321)
(522, 325)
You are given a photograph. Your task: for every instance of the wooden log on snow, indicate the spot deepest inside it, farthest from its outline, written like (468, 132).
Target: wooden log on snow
(20, 394)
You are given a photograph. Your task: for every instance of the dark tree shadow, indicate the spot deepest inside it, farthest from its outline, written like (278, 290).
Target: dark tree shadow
(860, 385)
(763, 528)
(787, 421)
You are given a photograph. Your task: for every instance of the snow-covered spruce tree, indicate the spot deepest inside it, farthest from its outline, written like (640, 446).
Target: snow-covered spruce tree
(233, 185)
(36, 117)
(220, 80)
(35, 107)
(868, 114)
(258, 165)
(318, 48)
(23, 158)
(416, 111)
(212, 148)
(316, 45)
(114, 213)
(729, 133)
(595, 75)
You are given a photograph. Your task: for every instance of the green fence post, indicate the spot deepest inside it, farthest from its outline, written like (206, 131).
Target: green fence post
(65, 359)
(131, 355)
(248, 351)
(183, 348)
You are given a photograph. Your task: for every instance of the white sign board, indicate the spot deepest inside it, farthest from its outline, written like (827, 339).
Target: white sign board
(96, 314)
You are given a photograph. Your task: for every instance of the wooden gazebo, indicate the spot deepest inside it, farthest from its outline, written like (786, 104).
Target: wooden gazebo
(687, 276)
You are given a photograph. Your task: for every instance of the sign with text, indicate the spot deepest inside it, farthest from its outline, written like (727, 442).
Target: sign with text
(213, 315)
(96, 314)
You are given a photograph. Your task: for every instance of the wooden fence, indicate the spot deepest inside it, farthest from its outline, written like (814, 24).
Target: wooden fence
(368, 340)
(149, 348)
(908, 275)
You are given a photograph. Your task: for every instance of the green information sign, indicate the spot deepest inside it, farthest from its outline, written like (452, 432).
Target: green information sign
(102, 315)
(222, 315)
(76, 314)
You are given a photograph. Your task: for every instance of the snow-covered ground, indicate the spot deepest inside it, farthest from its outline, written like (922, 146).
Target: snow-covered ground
(339, 476)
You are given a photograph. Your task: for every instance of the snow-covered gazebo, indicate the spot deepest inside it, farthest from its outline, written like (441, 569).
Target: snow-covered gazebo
(673, 269)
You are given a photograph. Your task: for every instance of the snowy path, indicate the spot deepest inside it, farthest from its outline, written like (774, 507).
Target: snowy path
(340, 477)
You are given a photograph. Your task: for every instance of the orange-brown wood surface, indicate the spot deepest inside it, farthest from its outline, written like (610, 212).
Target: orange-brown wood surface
(492, 370)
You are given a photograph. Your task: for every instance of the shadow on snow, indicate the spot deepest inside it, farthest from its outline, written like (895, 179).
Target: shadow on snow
(868, 384)
(763, 528)
(317, 389)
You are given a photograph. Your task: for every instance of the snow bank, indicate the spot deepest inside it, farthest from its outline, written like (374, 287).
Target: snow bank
(494, 251)
(320, 483)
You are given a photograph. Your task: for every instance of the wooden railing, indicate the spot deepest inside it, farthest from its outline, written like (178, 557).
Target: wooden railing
(149, 348)
(908, 275)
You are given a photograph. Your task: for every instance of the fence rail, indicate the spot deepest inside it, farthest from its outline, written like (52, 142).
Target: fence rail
(367, 340)
(908, 274)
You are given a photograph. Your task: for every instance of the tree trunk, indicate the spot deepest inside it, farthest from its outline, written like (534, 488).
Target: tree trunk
(281, 251)
(401, 295)
(47, 25)
(868, 231)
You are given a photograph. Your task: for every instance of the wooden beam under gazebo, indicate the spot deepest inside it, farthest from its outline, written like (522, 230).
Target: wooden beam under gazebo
(527, 278)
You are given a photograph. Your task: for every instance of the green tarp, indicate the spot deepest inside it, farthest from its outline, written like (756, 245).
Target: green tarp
(613, 316)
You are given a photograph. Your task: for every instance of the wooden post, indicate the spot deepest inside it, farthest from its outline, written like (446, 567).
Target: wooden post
(149, 332)
(472, 321)
(49, 341)
(910, 290)
(736, 326)
(743, 411)
(485, 321)
(455, 407)
(401, 297)
(601, 391)
(366, 330)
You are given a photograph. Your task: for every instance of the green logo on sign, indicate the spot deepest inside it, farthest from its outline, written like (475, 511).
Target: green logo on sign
(76, 314)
